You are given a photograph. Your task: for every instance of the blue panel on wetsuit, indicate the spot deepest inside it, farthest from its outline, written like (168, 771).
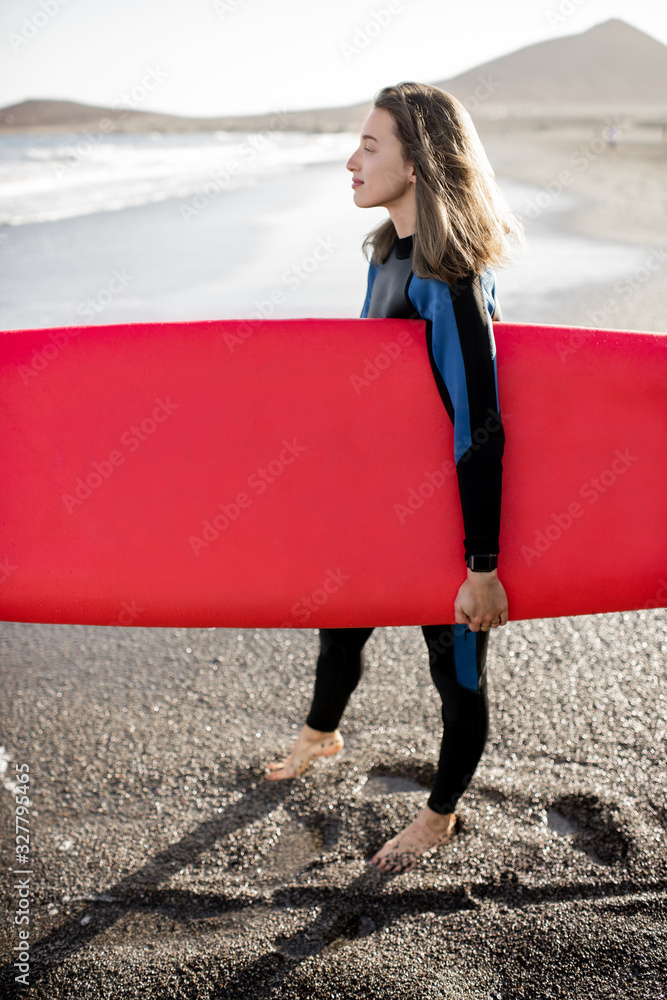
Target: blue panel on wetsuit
(433, 302)
(372, 272)
(465, 657)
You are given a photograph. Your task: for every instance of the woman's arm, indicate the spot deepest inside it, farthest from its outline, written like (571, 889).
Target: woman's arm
(462, 353)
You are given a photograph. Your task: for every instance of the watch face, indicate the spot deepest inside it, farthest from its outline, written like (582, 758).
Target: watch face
(483, 564)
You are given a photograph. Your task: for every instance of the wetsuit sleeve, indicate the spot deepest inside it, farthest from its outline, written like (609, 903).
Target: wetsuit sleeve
(372, 271)
(462, 352)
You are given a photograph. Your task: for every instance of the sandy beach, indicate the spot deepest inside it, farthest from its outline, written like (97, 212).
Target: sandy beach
(162, 863)
(612, 196)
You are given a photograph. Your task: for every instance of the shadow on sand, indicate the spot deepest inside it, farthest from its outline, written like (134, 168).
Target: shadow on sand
(367, 904)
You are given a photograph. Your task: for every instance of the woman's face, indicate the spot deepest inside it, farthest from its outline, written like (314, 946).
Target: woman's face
(380, 177)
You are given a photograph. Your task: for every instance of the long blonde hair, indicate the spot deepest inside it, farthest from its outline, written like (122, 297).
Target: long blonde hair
(464, 223)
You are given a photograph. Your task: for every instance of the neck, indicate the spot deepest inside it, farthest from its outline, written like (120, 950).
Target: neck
(403, 226)
(404, 217)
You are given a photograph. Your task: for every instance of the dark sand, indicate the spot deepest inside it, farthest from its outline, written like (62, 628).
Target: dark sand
(165, 866)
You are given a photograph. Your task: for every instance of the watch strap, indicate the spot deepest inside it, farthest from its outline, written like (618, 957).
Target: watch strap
(482, 563)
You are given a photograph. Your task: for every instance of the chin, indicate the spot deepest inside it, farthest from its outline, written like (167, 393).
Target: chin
(359, 199)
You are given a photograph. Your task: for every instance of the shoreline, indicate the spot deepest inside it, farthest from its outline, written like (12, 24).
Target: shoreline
(237, 250)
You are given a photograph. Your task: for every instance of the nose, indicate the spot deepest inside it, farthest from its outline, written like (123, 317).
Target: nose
(351, 163)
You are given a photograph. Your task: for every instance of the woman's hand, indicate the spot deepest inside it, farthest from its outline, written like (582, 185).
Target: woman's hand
(481, 602)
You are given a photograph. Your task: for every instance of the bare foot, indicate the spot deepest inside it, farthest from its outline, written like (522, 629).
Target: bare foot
(403, 852)
(310, 743)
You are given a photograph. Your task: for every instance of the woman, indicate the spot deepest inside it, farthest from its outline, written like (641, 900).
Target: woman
(421, 159)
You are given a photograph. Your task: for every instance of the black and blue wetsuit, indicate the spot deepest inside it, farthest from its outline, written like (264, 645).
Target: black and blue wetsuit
(461, 349)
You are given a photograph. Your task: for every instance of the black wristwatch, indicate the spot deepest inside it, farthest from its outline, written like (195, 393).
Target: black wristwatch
(482, 564)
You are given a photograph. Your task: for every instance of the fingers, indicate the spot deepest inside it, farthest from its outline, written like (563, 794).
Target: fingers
(481, 604)
(481, 622)
(460, 616)
(487, 623)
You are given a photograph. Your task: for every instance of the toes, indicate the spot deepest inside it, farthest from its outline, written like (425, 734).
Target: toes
(383, 860)
(410, 865)
(388, 865)
(295, 765)
(275, 774)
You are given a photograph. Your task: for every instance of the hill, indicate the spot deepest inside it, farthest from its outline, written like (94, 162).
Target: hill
(611, 68)
(610, 65)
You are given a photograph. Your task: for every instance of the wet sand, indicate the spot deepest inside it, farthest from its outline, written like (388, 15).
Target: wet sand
(165, 866)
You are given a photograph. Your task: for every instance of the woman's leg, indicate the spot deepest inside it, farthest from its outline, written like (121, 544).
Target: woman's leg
(458, 667)
(339, 668)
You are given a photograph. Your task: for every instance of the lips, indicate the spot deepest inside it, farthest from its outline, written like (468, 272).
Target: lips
(356, 183)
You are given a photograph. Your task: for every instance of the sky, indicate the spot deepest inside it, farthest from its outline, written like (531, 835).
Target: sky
(230, 57)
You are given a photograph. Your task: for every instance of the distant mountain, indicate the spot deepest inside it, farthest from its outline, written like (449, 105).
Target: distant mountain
(610, 68)
(608, 65)
(57, 116)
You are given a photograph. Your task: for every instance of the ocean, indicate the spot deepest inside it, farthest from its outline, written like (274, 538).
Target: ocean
(99, 228)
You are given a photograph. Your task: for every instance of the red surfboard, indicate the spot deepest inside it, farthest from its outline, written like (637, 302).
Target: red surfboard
(300, 473)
